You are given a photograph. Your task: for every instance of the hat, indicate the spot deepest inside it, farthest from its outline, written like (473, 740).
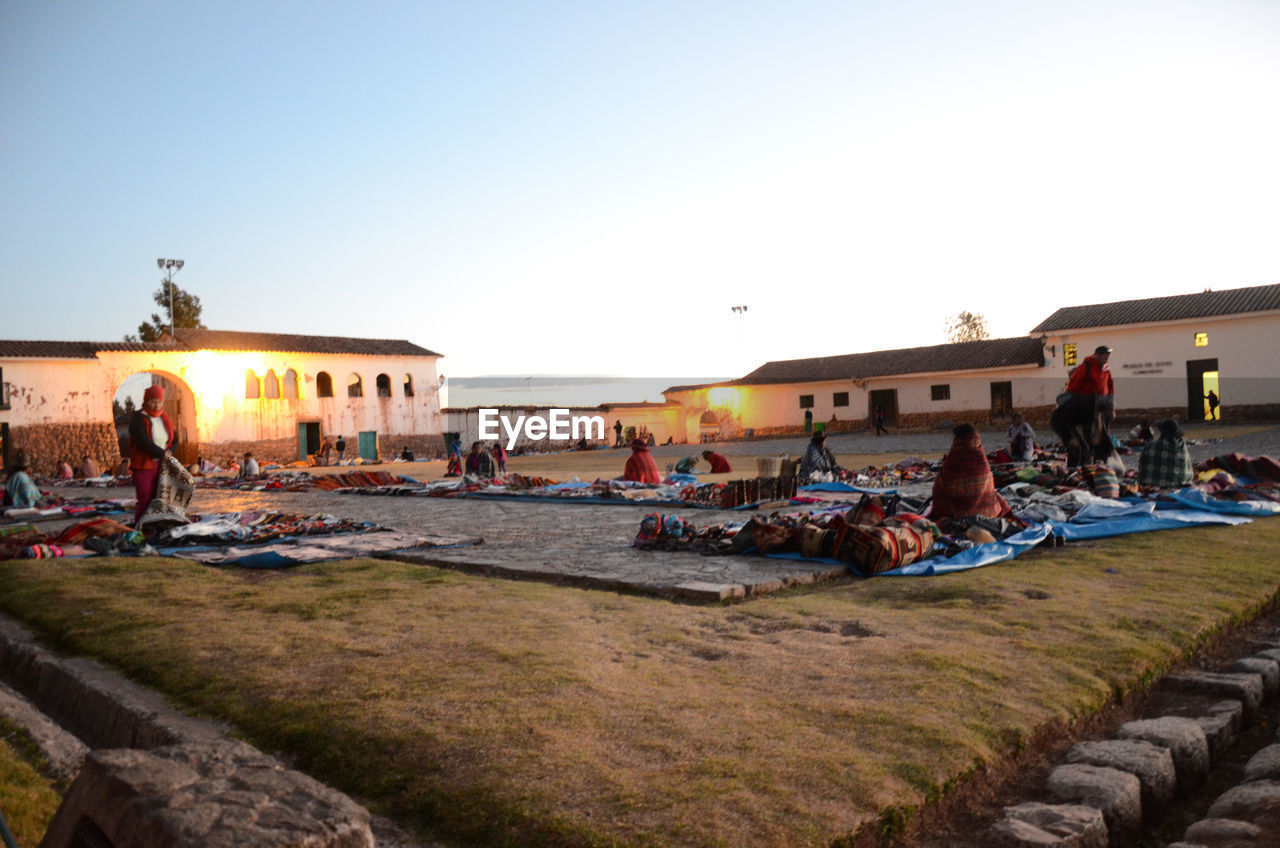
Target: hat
(1101, 349)
(819, 435)
(153, 393)
(639, 444)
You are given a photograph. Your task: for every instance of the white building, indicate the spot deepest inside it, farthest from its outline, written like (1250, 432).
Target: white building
(227, 392)
(1169, 352)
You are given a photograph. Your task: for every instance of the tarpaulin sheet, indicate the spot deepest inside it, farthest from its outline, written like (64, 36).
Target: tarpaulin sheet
(844, 487)
(302, 549)
(1102, 522)
(1197, 499)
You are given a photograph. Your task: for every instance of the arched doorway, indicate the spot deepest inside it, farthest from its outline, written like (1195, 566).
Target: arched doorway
(179, 405)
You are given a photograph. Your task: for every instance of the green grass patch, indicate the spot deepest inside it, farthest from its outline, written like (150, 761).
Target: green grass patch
(494, 712)
(28, 799)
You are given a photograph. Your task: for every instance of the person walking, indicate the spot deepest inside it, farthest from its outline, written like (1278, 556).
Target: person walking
(341, 445)
(1212, 397)
(878, 418)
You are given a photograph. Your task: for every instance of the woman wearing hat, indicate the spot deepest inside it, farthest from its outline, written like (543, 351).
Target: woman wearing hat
(152, 436)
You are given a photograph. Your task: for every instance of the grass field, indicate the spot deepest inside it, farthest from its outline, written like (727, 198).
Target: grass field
(494, 712)
(28, 799)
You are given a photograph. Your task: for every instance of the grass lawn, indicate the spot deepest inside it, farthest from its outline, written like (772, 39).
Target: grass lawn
(28, 799)
(498, 712)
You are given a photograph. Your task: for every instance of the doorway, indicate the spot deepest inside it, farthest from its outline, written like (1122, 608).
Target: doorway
(308, 438)
(887, 400)
(1001, 400)
(1202, 378)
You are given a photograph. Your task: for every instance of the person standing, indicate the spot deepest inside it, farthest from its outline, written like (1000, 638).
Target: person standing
(341, 445)
(1022, 439)
(808, 421)
(326, 450)
(1087, 409)
(1212, 397)
(152, 438)
(878, 418)
(500, 457)
(617, 433)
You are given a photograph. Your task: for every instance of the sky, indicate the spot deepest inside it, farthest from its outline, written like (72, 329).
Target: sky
(589, 188)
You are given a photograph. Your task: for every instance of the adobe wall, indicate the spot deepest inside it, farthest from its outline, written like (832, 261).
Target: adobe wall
(285, 451)
(46, 443)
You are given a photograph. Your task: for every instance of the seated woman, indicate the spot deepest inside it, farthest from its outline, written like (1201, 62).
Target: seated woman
(964, 486)
(480, 461)
(818, 459)
(19, 489)
(640, 465)
(1166, 462)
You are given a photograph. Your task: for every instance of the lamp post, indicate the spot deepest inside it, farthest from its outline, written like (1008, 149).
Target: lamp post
(170, 267)
(740, 311)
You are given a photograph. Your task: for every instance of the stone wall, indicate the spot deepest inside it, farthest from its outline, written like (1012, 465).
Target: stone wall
(45, 444)
(285, 451)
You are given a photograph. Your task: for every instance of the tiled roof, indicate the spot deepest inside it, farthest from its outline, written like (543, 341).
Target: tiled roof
(957, 356)
(231, 340)
(1177, 307)
(215, 340)
(21, 349)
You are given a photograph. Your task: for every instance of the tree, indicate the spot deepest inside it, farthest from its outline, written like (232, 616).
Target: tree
(186, 314)
(967, 327)
(118, 412)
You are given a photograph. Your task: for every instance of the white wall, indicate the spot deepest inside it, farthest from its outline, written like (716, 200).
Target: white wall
(65, 391)
(1149, 363)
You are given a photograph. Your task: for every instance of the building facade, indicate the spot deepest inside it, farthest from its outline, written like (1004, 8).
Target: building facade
(276, 395)
(1169, 353)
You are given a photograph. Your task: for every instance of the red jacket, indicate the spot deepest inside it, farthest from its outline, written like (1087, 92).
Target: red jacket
(641, 468)
(719, 465)
(143, 451)
(1091, 377)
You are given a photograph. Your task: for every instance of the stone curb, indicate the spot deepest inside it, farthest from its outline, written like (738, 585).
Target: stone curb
(153, 777)
(1128, 784)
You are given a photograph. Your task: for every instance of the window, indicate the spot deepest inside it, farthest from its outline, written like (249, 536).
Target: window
(408, 386)
(290, 384)
(355, 386)
(324, 385)
(942, 392)
(806, 401)
(1069, 353)
(840, 399)
(272, 385)
(252, 388)
(1202, 339)
(383, 383)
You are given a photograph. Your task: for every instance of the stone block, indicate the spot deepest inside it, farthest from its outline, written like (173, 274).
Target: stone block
(1272, 653)
(1116, 793)
(63, 752)
(1264, 765)
(1221, 724)
(1224, 833)
(1185, 740)
(1245, 688)
(1064, 825)
(694, 590)
(216, 795)
(1151, 764)
(1256, 802)
(1267, 669)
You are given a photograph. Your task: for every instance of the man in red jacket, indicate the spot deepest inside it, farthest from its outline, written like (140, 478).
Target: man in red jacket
(1082, 418)
(719, 465)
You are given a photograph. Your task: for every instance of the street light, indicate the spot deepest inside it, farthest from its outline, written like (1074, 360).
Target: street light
(170, 267)
(740, 311)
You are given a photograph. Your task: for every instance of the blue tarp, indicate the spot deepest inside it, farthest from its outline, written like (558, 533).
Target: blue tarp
(1099, 521)
(1197, 499)
(844, 487)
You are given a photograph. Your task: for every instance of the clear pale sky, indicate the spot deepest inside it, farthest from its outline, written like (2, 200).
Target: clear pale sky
(587, 188)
